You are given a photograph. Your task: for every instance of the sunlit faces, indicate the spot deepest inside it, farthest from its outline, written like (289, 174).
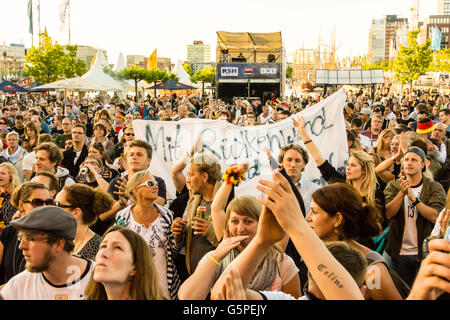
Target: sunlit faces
(242, 225)
(114, 260)
(43, 162)
(322, 224)
(37, 252)
(195, 178)
(412, 164)
(5, 178)
(137, 159)
(395, 144)
(293, 164)
(354, 169)
(147, 188)
(12, 141)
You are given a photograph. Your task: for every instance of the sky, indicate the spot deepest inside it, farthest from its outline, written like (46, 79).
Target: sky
(141, 26)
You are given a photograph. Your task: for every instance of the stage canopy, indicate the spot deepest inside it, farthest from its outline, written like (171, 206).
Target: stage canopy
(255, 47)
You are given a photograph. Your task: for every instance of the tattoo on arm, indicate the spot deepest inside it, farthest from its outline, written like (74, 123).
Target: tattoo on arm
(324, 269)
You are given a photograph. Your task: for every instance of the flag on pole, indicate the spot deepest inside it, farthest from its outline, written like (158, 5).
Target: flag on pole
(151, 63)
(436, 38)
(38, 10)
(63, 13)
(30, 16)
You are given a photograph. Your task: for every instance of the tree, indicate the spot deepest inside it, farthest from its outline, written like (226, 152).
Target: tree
(134, 73)
(385, 65)
(156, 76)
(289, 72)
(441, 61)
(412, 60)
(206, 75)
(189, 70)
(49, 61)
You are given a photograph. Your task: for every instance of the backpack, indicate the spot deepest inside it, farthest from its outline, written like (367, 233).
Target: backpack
(400, 284)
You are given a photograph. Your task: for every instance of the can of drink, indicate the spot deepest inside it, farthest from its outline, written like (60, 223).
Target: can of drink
(201, 212)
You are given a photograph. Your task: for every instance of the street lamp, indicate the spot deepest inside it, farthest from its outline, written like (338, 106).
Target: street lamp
(4, 61)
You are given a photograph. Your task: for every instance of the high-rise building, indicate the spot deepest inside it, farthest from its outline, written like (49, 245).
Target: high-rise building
(382, 31)
(198, 55)
(443, 7)
(137, 60)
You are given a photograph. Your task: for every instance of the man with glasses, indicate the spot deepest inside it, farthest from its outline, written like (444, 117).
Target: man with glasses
(375, 129)
(52, 272)
(75, 156)
(67, 133)
(404, 116)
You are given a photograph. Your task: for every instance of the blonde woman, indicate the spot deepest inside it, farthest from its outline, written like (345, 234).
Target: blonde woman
(383, 147)
(15, 153)
(153, 222)
(9, 180)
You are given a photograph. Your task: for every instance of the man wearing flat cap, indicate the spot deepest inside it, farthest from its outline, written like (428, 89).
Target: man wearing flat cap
(51, 272)
(413, 203)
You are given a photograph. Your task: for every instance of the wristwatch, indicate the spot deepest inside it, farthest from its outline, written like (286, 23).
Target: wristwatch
(415, 203)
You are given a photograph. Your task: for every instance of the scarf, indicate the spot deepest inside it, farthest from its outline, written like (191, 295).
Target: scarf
(13, 157)
(194, 201)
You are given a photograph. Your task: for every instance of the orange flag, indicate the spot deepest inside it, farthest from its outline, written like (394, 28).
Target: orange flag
(151, 63)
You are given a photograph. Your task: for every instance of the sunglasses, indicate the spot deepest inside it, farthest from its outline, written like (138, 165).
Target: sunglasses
(129, 134)
(58, 204)
(38, 202)
(148, 183)
(404, 110)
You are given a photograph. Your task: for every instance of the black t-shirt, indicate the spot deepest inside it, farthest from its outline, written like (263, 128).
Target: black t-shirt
(405, 122)
(55, 131)
(13, 261)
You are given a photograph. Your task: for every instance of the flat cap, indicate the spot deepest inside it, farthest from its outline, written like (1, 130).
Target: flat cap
(48, 219)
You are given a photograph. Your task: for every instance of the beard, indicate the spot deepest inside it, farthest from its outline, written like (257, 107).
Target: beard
(43, 266)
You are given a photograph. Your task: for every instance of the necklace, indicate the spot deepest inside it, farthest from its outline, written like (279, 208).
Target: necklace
(79, 244)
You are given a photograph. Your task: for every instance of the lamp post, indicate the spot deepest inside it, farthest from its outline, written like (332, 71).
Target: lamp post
(5, 64)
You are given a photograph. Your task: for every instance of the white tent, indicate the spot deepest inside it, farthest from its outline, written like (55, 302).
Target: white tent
(182, 75)
(76, 83)
(97, 75)
(121, 64)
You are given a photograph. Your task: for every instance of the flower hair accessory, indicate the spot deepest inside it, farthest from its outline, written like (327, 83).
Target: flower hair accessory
(233, 176)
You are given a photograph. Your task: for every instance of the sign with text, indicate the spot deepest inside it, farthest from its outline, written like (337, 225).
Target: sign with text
(232, 144)
(248, 71)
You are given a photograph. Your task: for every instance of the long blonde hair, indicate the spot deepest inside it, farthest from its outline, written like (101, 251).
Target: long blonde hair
(14, 181)
(369, 184)
(387, 133)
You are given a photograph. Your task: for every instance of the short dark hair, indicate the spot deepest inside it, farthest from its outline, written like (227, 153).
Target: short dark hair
(54, 153)
(54, 183)
(80, 125)
(356, 122)
(446, 111)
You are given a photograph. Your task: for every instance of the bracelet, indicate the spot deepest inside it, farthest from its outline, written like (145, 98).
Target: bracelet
(232, 176)
(415, 203)
(213, 260)
(306, 142)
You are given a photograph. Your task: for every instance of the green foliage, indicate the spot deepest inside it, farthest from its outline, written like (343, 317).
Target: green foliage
(189, 70)
(385, 65)
(412, 60)
(49, 61)
(289, 72)
(206, 75)
(441, 61)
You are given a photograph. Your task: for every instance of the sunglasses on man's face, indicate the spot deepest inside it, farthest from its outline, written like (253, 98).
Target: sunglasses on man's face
(129, 134)
(38, 202)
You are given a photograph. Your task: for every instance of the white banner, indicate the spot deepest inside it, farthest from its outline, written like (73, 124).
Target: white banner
(232, 144)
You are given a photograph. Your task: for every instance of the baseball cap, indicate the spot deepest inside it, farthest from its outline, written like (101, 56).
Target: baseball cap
(48, 219)
(417, 151)
(365, 111)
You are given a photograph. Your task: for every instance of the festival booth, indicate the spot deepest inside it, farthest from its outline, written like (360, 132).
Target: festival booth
(250, 65)
(166, 88)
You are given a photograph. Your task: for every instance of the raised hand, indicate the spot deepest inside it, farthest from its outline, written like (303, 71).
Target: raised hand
(227, 244)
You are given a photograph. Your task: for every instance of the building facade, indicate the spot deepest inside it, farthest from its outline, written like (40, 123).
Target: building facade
(12, 60)
(443, 7)
(198, 55)
(440, 21)
(87, 54)
(382, 31)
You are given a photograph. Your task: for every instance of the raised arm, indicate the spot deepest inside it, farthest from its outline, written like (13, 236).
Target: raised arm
(307, 141)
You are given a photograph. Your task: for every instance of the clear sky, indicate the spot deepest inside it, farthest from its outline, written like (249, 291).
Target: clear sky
(140, 26)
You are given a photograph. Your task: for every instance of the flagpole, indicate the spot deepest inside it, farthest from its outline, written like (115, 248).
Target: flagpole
(69, 21)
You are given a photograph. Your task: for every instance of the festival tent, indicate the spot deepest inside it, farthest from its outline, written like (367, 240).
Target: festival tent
(172, 85)
(121, 64)
(182, 75)
(8, 86)
(33, 85)
(76, 83)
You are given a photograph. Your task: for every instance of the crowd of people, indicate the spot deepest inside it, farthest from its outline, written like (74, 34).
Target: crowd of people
(83, 217)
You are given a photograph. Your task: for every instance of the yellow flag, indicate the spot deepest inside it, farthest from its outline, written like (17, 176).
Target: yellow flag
(93, 60)
(151, 63)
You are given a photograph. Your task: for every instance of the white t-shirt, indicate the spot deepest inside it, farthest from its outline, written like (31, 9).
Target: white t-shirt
(28, 161)
(409, 241)
(34, 286)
